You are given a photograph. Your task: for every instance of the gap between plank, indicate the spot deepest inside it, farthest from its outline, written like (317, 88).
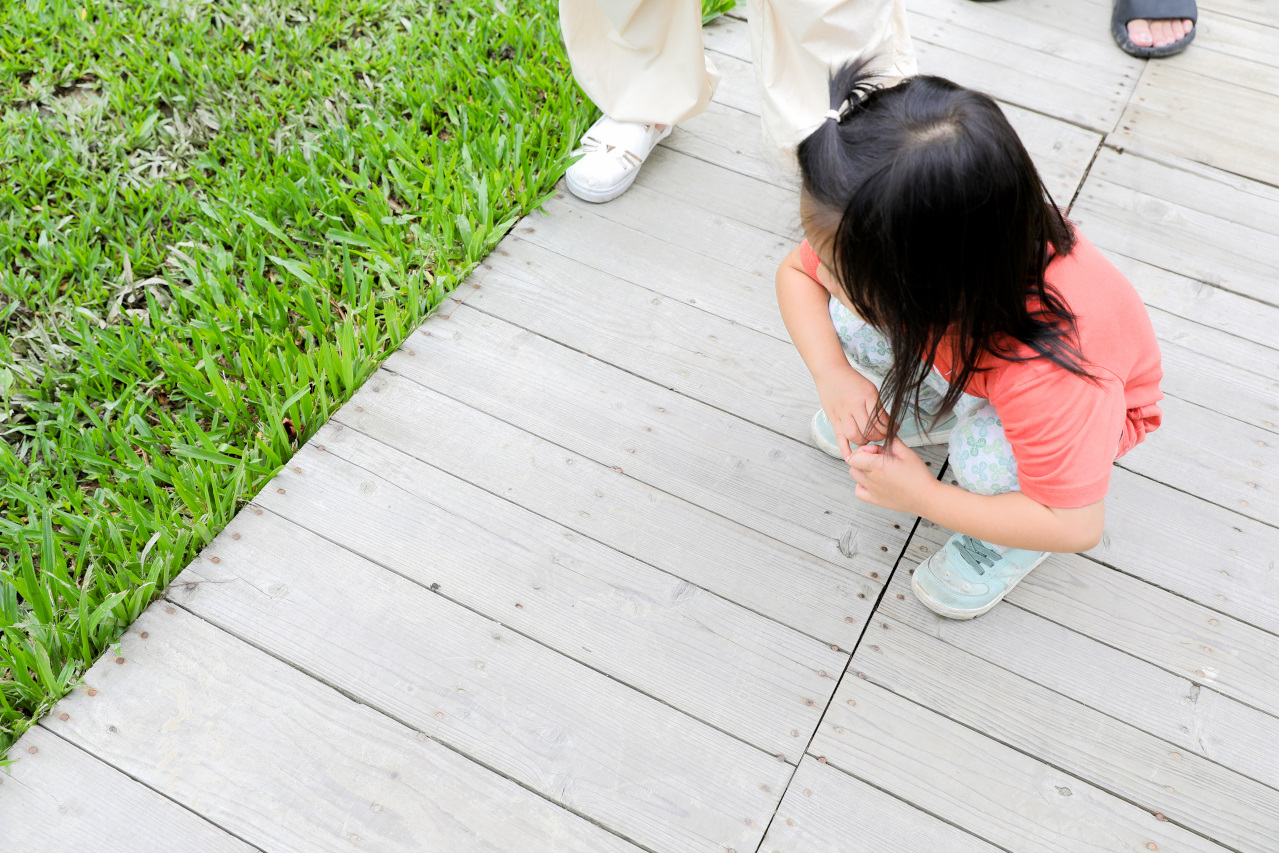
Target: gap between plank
(421, 734)
(202, 818)
(874, 608)
(587, 536)
(515, 631)
(1045, 762)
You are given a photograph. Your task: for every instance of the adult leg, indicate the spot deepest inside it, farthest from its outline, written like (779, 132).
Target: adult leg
(796, 44)
(642, 63)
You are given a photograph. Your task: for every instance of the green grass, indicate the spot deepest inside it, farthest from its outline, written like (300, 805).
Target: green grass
(216, 219)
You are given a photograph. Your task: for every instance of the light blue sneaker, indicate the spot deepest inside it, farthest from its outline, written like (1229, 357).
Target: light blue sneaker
(967, 577)
(910, 433)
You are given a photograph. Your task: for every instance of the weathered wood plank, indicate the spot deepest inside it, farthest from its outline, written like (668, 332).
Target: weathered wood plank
(820, 598)
(754, 376)
(1203, 335)
(1220, 386)
(1224, 41)
(1167, 630)
(635, 765)
(828, 811)
(1186, 788)
(55, 798)
(1035, 65)
(678, 346)
(1187, 113)
(963, 777)
(669, 441)
(1061, 151)
(1106, 679)
(1225, 461)
(288, 763)
(714, 660)
(1256, 11)
(1227, 564)
(721, 266)
(734, 196)
(728, 137)
(1124, 612)
(1213, 228)
(1207, 320)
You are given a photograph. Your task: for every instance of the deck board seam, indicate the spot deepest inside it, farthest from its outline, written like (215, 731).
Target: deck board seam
(609, 272)
(1181, 164)
(784, 436)
(44, 726)
(844, 674)
(873, 612)
(347, 694)
(516, 631)
(1173, 592)
(591, 538)
(1083, 178)
(1109, 715)
(1180, 490)
(1095, 783)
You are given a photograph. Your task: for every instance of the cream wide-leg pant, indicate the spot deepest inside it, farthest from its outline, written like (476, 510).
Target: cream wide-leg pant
(642, 60)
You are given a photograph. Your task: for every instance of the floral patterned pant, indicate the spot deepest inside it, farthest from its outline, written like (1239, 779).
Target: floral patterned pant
(981, 460)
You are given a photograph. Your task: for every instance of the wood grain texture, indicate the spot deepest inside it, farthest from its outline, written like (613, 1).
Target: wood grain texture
(818, 597)
(1227, 563)
(1217, 384)
(637, 766)
(1207, 226)
(1254, 11)
(724, 192)
(754, 376)
(729, 137)
(828, 811)
(1178, 635)
(691, 649)
(1107, 679)
(1188, 113)
(287, 763)
(56, 798)
(719, 265)
(1225, 461)
(1026, 55)
(1061, 151)
(776, 485)
(1241, 320)
(1004, 796)
(1187, 789)
(1227, 34)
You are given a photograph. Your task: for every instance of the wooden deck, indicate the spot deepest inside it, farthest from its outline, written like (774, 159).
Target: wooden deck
(566, 574)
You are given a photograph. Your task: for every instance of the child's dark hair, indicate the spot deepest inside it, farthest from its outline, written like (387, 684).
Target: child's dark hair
(938, 223)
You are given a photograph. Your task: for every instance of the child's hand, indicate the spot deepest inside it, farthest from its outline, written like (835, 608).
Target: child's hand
(892, 477)
(848, 398)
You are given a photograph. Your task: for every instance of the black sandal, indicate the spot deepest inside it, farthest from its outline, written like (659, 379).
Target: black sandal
(1152, 10)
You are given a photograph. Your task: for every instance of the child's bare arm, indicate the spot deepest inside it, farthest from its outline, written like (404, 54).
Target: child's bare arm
(898, 479)
(846, 395)
(803, 302)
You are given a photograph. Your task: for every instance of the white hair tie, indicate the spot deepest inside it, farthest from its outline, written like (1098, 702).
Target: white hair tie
(835, 114)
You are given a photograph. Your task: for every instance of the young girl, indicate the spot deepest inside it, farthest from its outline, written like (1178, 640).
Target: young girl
(936, 263)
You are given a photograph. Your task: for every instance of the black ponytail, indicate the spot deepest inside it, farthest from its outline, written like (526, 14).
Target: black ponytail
(938, 225)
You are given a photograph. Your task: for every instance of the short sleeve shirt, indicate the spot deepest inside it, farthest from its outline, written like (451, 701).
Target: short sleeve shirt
(1066, 430)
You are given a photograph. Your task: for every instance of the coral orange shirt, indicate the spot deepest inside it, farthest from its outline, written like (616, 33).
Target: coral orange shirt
(1066, 431)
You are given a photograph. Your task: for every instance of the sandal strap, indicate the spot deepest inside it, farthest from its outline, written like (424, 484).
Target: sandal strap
(1155, 10)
